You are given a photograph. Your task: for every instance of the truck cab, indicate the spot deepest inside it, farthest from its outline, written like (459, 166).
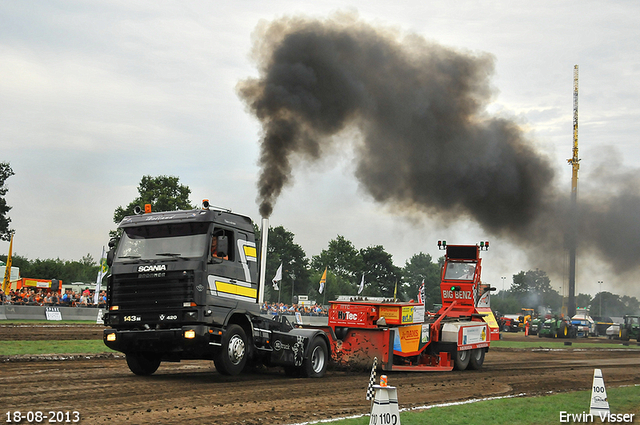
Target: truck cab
(185, 285)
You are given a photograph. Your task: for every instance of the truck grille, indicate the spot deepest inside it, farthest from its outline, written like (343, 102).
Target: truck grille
(130, 292)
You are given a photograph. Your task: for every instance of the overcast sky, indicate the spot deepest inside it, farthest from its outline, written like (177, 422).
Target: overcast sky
(96, 94)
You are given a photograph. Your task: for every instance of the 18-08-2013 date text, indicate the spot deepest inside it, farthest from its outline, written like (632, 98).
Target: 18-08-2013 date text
(39, 416)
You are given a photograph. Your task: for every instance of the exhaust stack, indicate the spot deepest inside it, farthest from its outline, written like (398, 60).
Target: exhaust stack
(264, 232)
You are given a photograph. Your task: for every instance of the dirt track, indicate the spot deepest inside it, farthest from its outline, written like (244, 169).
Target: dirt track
(103, 390)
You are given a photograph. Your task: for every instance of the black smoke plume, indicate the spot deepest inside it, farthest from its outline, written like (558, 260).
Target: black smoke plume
(426, 142)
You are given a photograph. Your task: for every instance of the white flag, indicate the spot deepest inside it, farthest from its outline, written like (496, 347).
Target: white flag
(323, 280)
(101, 273)
(361, 285)
(277, 278)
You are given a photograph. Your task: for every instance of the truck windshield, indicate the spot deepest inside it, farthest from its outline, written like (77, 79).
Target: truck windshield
(164, 240)
(459, 271)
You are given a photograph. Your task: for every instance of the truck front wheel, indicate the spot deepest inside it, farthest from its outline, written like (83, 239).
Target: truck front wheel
(316, 365)
(143, 364)
(462, 360)
(476, 359)
(232, 357)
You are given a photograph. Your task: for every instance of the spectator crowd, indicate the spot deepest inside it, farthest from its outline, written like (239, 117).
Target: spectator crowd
(281, 308)
(69, 298)
(46, 297)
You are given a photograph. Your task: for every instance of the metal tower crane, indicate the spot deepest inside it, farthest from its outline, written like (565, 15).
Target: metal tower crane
(574, 161)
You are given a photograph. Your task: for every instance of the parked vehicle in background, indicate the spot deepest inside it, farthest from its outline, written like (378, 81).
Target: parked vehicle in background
(602, 323)
(558, 327)
(630, 328)
(584, 323)
(613, 331)
(536, 325)
(509, 323)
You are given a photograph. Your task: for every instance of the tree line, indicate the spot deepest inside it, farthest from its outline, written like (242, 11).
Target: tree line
(347, 266)
(85, 270)
(532, 289)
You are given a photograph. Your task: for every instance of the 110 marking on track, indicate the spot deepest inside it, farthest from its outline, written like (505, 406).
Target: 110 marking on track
(384, 419)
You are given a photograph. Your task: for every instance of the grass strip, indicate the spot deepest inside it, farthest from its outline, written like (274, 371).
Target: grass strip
(46, 322)
(551, 344)
(518, 410)
(13, 348)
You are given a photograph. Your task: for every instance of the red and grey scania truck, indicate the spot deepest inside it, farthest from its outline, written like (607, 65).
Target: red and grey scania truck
(188, 285)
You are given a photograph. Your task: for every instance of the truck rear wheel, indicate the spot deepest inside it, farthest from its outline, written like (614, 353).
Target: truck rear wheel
(142, 364)
(232, 357)
(462, 360)
(316, 365)
(476, 359)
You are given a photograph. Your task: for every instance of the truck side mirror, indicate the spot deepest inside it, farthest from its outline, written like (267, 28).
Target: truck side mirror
(223, 246)
(112, 251)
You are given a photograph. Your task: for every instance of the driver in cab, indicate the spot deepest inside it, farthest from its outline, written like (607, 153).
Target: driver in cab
(214, 249)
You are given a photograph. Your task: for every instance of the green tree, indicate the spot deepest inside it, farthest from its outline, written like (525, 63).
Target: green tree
(420, 267)
(49, 269)
(295, 272)
(506, 304)
(583, 300)
(334, 286)
(342, 258)
(5, 173)
(85, 270)
(380, 273)
(344, 270)
(533, 289)
(18, 261)
(610, 304)
(164, 193)
(631, 304)
(614, 305)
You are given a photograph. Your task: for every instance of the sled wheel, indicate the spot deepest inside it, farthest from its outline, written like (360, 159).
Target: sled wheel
(143, 364)
(316, 365)
(476, 359)
(462, 360)
(232, 357)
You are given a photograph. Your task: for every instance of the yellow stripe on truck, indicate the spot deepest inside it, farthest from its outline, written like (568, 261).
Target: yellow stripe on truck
(250, 251)
(230, 288)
